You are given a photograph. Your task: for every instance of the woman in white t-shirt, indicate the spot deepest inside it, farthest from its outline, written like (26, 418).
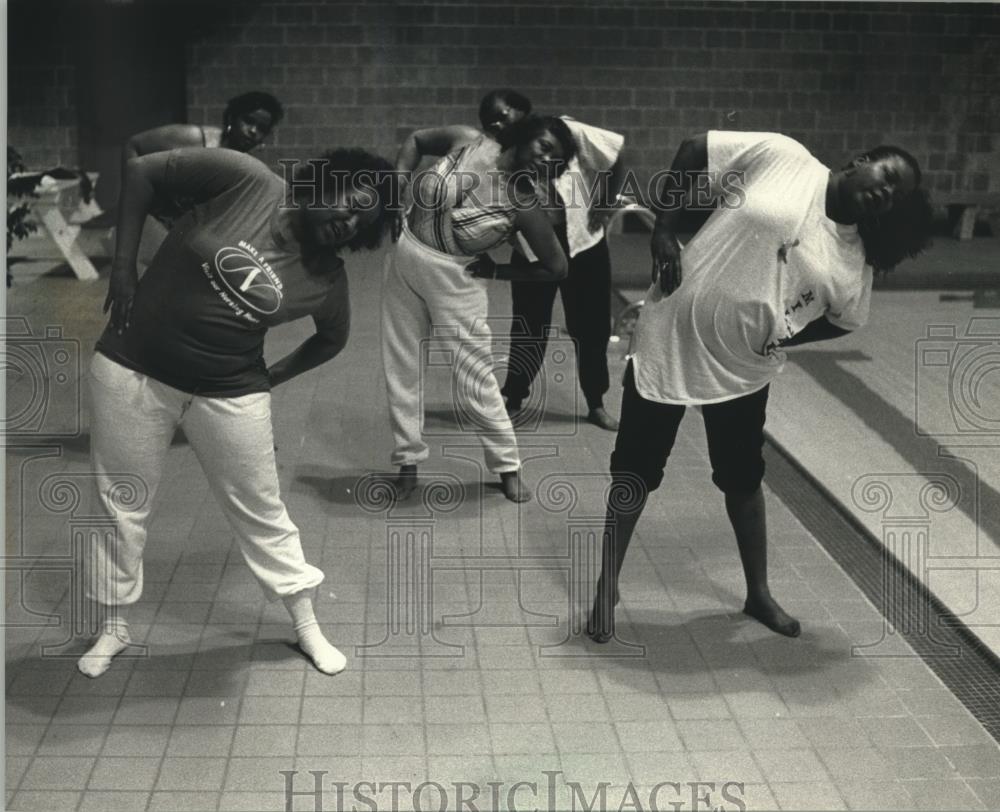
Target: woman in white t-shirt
(786, 258)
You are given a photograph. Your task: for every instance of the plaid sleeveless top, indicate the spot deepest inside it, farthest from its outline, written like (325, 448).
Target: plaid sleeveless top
(464, 205)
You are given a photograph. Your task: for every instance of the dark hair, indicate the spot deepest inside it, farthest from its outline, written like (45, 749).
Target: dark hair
(901, 233)
(890, 151)
(530, 127)
(905, 230)
(508, 97)
(363, 169)
(248, 102)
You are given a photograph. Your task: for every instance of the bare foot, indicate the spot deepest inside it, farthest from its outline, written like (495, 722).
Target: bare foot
(601, 623)
(405, 482)
(599, 417)
(767, 611)
(513, 487)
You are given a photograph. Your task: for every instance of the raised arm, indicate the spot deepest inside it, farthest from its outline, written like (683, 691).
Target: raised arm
(140, 179)
(432, 141)
(333, 326)
(198, 174)
(161, 139)
(691, 158)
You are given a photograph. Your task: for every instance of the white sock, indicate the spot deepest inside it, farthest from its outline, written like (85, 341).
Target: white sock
(112, 640)
(326, 657)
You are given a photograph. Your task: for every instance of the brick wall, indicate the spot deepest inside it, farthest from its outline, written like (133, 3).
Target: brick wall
(838, 76)
(41, 87)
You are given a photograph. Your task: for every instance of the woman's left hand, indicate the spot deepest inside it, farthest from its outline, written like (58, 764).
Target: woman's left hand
(482, 267)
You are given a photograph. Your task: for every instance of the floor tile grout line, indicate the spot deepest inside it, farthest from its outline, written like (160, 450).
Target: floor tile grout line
(240, 697)
(159, 769)
(30, 647)
(794, 485)
(545, 707)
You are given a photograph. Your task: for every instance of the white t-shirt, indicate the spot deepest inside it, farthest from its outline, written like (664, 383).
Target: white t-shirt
(753, 276)
(597, 151)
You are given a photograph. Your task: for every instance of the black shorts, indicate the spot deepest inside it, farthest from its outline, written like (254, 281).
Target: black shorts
(735, 430)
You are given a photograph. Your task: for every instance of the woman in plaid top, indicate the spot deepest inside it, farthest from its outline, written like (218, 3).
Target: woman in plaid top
(470, 201)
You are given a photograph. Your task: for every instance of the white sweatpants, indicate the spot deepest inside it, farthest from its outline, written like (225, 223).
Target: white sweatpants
(133, 419)
(422, 288)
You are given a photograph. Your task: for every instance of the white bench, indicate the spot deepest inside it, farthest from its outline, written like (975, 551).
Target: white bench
(59, 208)
(964, 208)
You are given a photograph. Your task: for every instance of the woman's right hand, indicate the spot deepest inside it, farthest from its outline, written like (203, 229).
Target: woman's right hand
(666, 251)
(482, 267)
(121, 293)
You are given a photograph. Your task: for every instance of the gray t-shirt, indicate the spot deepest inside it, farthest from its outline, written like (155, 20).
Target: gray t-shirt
(220, 279)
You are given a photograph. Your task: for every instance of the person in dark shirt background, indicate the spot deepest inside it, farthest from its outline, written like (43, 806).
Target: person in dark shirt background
(246, 123)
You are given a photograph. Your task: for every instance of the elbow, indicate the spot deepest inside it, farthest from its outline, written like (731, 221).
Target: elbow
(335, 342)
(334, 345)
(558, 269)
(134, 167)
(408, 150)
(694, 151)
(130, 150)
(138, 182)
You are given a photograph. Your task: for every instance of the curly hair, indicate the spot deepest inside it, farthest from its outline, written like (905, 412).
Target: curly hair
(254, 100)
(363, 170)
(905, 230)
(509, 97)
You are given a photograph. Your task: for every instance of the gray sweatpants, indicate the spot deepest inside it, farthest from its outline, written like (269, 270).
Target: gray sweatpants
(133, 419)
(425, 291)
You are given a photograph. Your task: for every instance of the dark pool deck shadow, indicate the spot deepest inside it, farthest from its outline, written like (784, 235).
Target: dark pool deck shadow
(807, 655)
(887, 422)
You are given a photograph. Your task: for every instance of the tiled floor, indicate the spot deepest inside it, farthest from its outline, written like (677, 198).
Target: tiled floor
(487, 681)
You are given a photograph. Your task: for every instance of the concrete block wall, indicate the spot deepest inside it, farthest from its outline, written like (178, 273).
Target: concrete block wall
(838, 76)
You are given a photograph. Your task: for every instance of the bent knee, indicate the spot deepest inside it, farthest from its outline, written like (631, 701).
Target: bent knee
(745, 478)
(631, 475)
